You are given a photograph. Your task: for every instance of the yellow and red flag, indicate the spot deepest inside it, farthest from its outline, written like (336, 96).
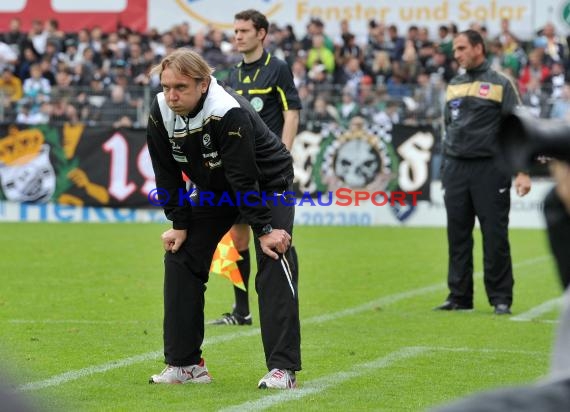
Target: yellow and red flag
(224, 262)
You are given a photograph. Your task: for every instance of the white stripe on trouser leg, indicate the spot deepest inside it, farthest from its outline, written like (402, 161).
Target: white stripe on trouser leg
(287, 272)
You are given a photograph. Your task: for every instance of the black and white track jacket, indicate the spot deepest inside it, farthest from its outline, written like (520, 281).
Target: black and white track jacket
(223, 146)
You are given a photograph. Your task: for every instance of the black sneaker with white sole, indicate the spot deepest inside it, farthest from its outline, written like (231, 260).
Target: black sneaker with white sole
(233, 319)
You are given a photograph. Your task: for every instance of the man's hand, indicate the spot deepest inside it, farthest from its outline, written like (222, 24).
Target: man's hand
(278, 240)
(522, 184)
(172, 239)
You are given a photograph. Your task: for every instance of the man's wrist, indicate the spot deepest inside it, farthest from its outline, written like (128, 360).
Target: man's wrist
(264, 230)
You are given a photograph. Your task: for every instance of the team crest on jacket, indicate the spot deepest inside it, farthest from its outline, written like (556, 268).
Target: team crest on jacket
(257, 103)
(207, 141)
(484, 89)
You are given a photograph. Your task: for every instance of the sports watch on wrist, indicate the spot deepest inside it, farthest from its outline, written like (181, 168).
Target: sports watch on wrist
(265, 230)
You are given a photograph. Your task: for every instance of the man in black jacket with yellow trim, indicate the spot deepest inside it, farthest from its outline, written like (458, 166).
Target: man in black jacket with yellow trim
(267, 83)
(473, 184)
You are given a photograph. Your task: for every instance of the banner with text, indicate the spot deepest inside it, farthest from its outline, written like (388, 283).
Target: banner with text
(76, 165)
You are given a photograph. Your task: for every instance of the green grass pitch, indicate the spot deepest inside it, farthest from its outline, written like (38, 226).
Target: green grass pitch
(81, 322)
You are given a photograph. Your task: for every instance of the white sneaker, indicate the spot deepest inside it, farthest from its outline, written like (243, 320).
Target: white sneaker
(183, 374)
(278, 379)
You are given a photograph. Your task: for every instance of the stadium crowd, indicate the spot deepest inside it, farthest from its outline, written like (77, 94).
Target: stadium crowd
(386, 77)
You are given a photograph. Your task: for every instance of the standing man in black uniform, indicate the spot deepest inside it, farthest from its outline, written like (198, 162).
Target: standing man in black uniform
(267, 82)
(474, 185)
(214, 136)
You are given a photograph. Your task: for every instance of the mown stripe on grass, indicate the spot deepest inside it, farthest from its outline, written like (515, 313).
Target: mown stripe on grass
(319, 385)
(386, 300)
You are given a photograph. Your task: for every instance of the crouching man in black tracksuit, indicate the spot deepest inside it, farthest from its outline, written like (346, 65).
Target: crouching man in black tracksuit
(474, 184)
(199, 127)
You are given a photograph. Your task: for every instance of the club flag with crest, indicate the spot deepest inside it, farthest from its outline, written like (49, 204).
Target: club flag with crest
(224, 262)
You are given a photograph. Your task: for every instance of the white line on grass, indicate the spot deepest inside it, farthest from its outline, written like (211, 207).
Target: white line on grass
(326, 382)
(105, 367)
(539, 310)
(386, 300)
(80, 321)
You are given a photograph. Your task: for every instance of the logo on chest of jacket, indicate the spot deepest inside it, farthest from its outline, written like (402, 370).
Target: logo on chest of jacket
(484, 89)
(207, 141)
(454, 108)
(257, 103)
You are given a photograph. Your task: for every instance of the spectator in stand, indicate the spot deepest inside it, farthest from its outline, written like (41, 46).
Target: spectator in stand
(376, 42)
(97, 39)
(395, 44)
(14, 37)
(289, 44)
(346, 109)
(395, 85)
(26, 115)
(319, 80)
(316, 27)
(515, 57)
(534, 98)
(136, 60)
(38, 37)
(200, 42)
(351, 75)
(320, 54)
(345, 52)
(113, 47)
(561, 106)
(117, 111)
(70, 55)
(182, 36)
(47, 70)
(53, 35)
(410, 63)
(445, 41)
(215, 50)
(344, 32)
(52, 54)
(413, 34)
(506, 33)
(381, 68)
(36, 88)
(348, 48)
(167, 45)
(535, 69)
(321, 115)
(553, 48)
(8, 56)
(424, 46)
(440, 66)
(81, 74)
(300, 77)
(83, 41)
(556, 81)
(10, 91)
(29, 58)
(495, 55)
(430, 97)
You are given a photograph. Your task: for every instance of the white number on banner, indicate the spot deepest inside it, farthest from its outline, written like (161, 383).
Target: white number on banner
(144, 166)
(118, 148)
(416, 153)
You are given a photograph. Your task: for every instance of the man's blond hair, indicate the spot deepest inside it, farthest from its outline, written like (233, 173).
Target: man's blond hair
(185, 61)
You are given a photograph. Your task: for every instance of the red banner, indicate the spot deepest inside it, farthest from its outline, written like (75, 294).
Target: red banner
(74, 15)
